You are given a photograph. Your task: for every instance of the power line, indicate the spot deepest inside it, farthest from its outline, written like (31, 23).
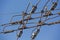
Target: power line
(26, 17)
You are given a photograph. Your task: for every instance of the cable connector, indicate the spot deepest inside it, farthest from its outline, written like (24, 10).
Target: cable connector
(34, 34)
(53, 6)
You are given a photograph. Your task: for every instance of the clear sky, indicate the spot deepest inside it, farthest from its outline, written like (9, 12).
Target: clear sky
(8, 8)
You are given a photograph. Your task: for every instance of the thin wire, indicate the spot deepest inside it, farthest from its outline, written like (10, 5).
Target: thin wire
(13, 17)
(38, 2)
(34, 8)
(24, 19)
(17, 31)
(50, 18)
(27, 7)
(45, 4)
(51, 23)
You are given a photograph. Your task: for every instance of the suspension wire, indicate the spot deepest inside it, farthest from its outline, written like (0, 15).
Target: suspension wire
(12, 23)
(51, 23)
(38, 2)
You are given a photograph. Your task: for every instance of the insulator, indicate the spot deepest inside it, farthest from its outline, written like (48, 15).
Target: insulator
(24, 13)
(40, 23)
(33, 9)
(29, 17)
(53, 6)
(48, 13)
(35, 34)
(20, 22)
(20, 33)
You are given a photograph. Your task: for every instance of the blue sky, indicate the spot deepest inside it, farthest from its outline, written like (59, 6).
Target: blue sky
(8, 8)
